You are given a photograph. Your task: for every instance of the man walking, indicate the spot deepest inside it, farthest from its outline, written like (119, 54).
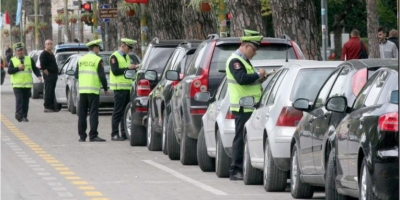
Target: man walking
(243, 80)
(120, 61)
(354, 48)
(20, 68)
(50, 74)
(90, 75)
(387, 49)
(393, 37)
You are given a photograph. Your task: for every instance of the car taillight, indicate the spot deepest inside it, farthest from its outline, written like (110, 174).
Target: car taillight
(389, 122)
(358, 81)
(141, 109)
(229, 115)
(143, 88)
(289, 116)
(198, 111)
(199, 84)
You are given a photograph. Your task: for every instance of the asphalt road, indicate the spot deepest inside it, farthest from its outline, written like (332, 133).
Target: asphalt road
(43, 160)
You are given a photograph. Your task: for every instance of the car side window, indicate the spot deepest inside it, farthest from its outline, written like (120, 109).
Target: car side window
(361, 98)
(65, 66)
(272, 96)
(71, 62)
(197, 58)
(392, 82)
(268, 88)
(338, 88)
(323, 93)
(170, 62)
(223, 90)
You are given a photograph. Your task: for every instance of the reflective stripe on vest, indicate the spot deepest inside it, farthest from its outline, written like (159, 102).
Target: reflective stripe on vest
(22, 79)
(119, 82)
(89, 81)
(237, 91)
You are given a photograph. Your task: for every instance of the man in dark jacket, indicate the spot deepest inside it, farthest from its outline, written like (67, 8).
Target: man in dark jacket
(393, 37)
(50, 74)
(352, 48)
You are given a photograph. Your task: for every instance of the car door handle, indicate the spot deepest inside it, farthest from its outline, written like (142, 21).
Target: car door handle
(267, 115)
(258, 118)
(325, 116)
(311, 120)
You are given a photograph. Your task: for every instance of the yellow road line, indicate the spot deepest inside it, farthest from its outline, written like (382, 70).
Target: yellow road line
(93, 194)
(86, 187)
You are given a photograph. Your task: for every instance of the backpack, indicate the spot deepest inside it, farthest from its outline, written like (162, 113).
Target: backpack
(363, 53)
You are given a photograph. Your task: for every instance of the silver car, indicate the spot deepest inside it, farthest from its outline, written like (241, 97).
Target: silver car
(268, 132)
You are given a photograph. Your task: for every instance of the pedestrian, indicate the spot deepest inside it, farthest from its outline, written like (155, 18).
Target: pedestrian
(50, 74)
(20, 68)
(354, 48)
(90, 75)
(387, 49)
(243, 80)
(120, 61)
(393, 37)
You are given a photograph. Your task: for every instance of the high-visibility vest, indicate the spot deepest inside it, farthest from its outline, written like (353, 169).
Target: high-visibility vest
(119, 82)
(237, 91)
(89, 81)
(22, 79)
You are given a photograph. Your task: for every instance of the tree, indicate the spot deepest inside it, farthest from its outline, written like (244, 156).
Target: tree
(246, 14)
(45, 10)
(167, 19)
(372, 27)
(297, 20)
(197, 24)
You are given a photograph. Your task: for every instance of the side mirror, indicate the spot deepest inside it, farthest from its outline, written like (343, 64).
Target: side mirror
(301, 104)
(336, 104)
(70, 72)
(202, 96)
(150, 75)
(130, 74)
(172, 75)
(247, 102)
(394, 97)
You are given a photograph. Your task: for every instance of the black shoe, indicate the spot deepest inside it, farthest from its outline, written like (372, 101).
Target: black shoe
(82, 140)
(116, 138)
(46, 110)
(124, 137)
(97, 139)
(24, 119)
(18, 117)
(237, 177)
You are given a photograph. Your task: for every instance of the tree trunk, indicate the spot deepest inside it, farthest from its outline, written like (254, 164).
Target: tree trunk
(297, 20)
(45, 10)
(196, 24)
(167, 19)
(246, 14)
(337, 26)
(372, 29)
(29, 39)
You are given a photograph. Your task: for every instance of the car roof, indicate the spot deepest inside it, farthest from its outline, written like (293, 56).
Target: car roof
(311, 64)
(236, 40)
(373, 63)
(166, 43)
(257, 63)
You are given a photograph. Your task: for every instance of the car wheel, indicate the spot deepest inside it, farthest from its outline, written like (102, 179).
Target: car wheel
(331, 173)
(71, 106)
(365, 185)
(174, 152)
(206, 163)
(298, 188)
(223, 161)
(188, 148)
(164, 133)
(274, 178)
(35, 93)
(153, 139)
(251, 175)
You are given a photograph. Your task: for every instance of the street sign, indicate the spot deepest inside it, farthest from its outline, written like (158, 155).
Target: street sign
(106, 13)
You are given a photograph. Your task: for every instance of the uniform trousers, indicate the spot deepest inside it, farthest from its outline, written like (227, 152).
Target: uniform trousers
(121, 99)
(88, 102)
(22, 96)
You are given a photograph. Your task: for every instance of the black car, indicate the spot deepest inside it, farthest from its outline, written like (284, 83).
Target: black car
(203, 74)
(367, 140)
(313, 139)
(135, 114)
(159, 98)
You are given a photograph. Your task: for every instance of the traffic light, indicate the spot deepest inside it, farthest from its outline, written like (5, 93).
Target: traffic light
(87, 6)
(228, 24)
(87, 10)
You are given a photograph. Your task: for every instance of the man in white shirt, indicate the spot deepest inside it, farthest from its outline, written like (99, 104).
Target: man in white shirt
(387, 49)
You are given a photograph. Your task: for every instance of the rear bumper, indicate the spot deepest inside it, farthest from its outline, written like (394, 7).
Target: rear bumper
(385, 176)
(139, 111)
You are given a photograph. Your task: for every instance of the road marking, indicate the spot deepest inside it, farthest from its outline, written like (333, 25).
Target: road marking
(79, 182)
(67, 173)
(99, 199)
(73, 178)
(93, 194)
(86, 187)
(185, 178)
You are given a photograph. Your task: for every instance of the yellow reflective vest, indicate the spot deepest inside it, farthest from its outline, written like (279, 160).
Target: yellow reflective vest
(22, 79)
(236, 91)
(89, 81)
(119, 82)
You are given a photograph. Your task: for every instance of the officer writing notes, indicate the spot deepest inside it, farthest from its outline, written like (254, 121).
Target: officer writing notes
(120, 61)
(20, 68)
(243, 80)
(90, 75)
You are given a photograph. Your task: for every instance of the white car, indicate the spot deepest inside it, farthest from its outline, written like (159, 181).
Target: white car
(268, 132)
(216, 137)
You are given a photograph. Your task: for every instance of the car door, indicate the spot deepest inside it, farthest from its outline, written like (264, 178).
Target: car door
(306, 131)
(62, 83)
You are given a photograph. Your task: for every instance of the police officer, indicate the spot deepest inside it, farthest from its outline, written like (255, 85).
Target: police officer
(20, 68)
(90, 75)
(120, 61)
(243, 80)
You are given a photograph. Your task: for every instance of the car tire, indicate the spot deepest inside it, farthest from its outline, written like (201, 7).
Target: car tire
(35, 93)
(365, 184)
(164, 137)
(274, 179)
(153, 138)
(174, 152)
(188, 147)
(330, 183)
(206, 163)
(222, 160)
(251, 175)
(298, 188)
(71, 106)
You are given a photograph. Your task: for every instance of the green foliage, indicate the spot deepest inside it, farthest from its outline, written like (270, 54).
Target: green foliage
(265, 8)
(387, 14)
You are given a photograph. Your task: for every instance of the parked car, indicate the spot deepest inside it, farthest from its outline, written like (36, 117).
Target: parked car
(159, 99)
(135, 114)
(214, 144)
(313, 139)
(38, 87)
(203, 75)
(365, 161)
(80, 47)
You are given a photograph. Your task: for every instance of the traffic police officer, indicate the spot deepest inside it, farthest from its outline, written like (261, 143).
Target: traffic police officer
(243, 80)
(120, 61)
(20, 68)
(90, 75)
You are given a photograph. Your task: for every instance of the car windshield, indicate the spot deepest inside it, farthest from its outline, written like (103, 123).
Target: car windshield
(308, 82)
(158, 58)
(394, 97)
(61, 58)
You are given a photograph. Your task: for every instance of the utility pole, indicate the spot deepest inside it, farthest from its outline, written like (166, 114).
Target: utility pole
(222, 19)
(66, 19)
(144, 29)
(324, 21)
(95, 36)
(80, 24)
(36, 24)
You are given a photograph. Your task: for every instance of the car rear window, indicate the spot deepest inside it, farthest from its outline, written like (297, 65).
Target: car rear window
(394, 97)
(308, 82)
(158, 58)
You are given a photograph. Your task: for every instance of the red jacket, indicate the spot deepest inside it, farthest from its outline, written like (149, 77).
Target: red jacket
(351, 49)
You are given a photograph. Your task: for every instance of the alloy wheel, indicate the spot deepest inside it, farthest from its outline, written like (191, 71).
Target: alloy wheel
(245, 159)
(266, 162)
(128, 122)
(294, 170)
(164, 132)
(364, 183)
(149, 129)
